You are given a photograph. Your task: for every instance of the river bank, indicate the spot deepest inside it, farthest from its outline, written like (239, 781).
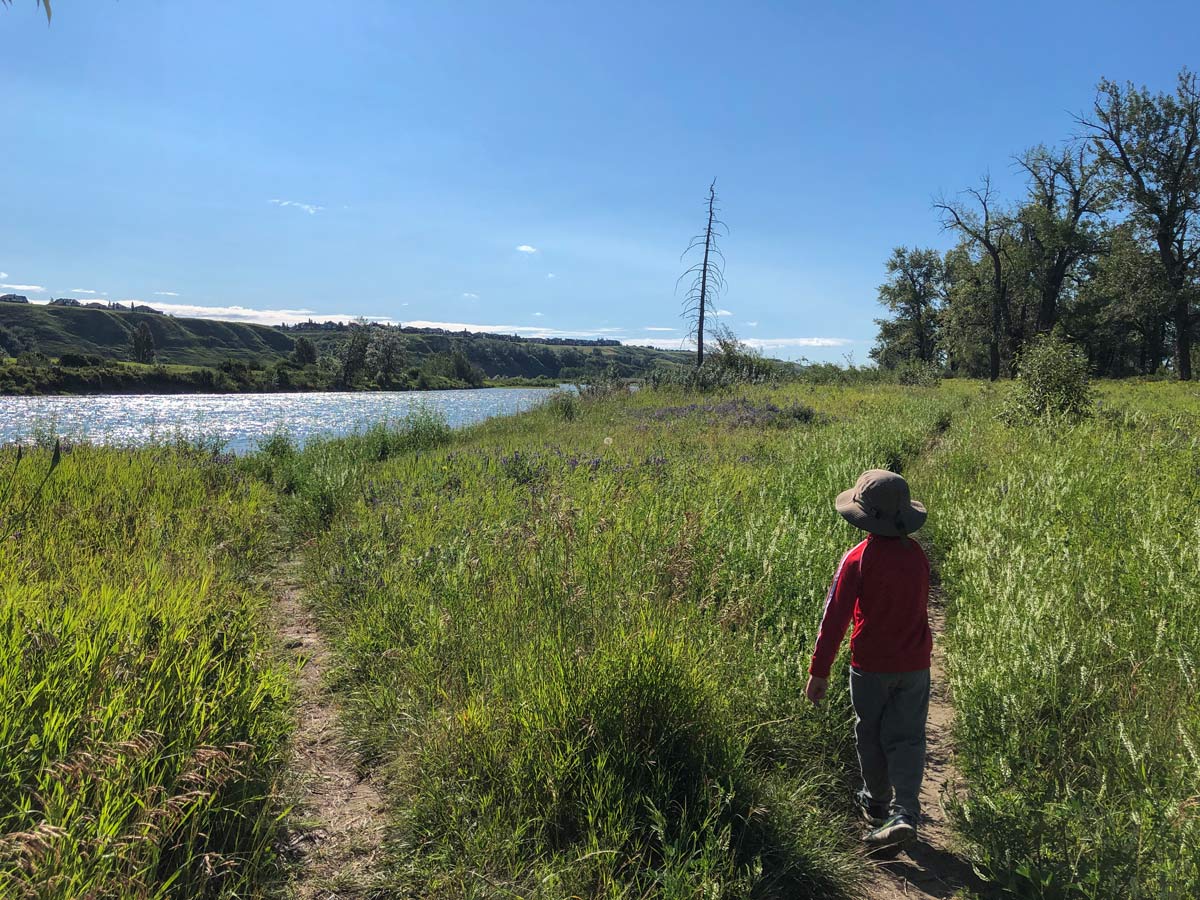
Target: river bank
(22, 379)
(238, 423)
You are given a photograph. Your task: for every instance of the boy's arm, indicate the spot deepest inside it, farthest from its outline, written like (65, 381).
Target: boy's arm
(839, 608)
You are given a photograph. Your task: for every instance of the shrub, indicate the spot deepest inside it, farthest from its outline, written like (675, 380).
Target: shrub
(1052, 380)
(523, 468)
(304, 352)
(564, 405)
(33, 359)
(918, 373)
(731, 364)
(465, 370)
(602, 386)
(80, 360)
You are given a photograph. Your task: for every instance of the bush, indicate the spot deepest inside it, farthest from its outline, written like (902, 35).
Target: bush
(918, 373)
(601, 387)
(731, 364)
(304, 352)
(564, 405)
(1052, 380)
(33, 359)
(80, 360)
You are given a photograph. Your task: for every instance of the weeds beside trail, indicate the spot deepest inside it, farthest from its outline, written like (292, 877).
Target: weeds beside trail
(575, 641)
(570, 648)
(1071, 555)
(142, 716)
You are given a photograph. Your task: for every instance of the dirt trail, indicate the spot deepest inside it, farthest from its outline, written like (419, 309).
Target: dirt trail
(932, 868)
(339, 822)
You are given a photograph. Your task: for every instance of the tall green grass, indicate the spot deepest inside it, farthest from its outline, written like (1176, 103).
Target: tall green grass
(317, 480)
(141, 718)
(1071, 557)
(574, 642)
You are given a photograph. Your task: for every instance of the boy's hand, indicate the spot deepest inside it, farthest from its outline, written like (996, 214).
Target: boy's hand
(815, 689)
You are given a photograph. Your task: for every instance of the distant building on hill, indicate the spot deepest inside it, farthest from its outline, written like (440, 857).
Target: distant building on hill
(65, 301)
(95, 304)
(138, 307)
(13, 298)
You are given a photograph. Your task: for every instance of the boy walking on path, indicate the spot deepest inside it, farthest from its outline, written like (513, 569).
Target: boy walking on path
(882, 584)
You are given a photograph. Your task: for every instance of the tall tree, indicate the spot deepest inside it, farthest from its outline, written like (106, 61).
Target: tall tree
(913, 291)
(353, 354)
(1060, 220)
(385, 356)
(141, 344)
(708, 275)
(964, 321)
(1123, 308)
(1151, 144)
(989, 229)
(304, 352)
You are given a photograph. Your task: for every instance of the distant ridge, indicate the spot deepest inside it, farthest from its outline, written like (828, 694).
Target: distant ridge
(104, 330)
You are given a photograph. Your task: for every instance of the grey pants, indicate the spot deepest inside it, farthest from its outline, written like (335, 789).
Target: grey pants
(890, 732)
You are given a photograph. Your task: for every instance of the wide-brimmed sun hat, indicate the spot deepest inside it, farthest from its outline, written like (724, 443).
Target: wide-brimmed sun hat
(880, 503)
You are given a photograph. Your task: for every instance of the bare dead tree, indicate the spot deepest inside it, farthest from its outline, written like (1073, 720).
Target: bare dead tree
(989, 229)
(44, 4)
(708, 275)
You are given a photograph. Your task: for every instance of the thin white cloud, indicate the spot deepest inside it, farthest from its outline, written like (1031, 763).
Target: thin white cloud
(765, 344)
(537, 315)
(469, 295)
(3, 274)
(653, 328)
(32, 288)
(525, 248)
(165, 294)
(751, 324)
(520, 330)
(86, 291)
(260, 316)
(724, 312)
(780, 343)
(662, 343)
(550, 275)
(310, 208)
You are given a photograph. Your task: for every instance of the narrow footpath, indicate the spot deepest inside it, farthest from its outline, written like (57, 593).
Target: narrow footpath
(338, 824)
(932, 868)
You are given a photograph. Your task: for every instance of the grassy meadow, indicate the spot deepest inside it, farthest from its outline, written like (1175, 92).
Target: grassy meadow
(574, 642)
(1071, 559)
(571, 647)
(142, 716)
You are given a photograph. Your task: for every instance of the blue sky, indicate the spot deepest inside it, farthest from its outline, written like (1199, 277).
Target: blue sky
(530, 167)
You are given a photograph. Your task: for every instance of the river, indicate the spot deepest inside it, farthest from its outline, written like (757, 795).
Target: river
(240, 421)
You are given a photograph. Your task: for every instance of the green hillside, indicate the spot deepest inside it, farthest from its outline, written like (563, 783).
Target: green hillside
(55, 331)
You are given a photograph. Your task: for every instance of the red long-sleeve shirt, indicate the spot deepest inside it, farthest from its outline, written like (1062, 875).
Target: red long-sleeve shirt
(883, 585)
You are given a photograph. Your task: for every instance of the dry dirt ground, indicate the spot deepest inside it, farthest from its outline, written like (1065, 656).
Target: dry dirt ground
(931, 868)
(339, 819)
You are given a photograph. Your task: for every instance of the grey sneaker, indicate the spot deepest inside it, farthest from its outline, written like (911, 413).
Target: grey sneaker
(875, 813)
(898, 831)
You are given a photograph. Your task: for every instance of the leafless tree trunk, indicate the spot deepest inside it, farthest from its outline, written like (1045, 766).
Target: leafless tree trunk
(708, 277)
